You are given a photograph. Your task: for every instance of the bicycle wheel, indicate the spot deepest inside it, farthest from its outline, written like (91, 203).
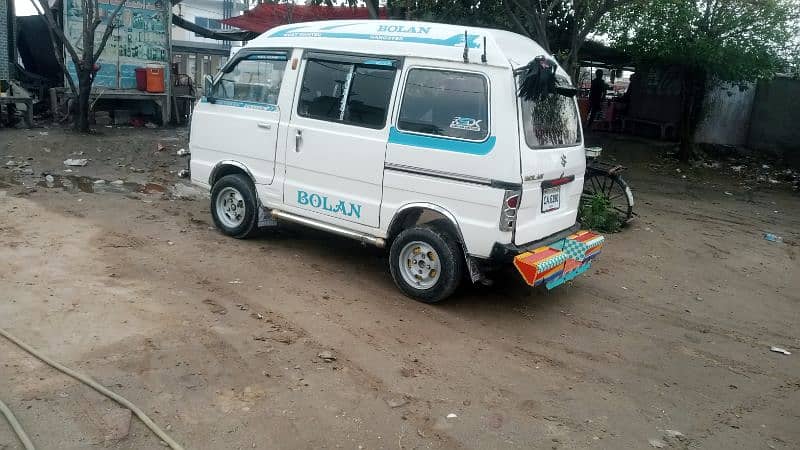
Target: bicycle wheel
(614, 189)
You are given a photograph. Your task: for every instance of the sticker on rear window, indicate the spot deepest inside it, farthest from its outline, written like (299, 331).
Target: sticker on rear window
(465, 123)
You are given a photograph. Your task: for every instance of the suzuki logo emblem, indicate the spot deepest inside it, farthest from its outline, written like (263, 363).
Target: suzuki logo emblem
(563, 160)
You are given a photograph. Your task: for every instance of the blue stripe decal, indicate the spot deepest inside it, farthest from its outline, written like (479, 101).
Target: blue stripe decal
(441, 143)
(453, 41)
(242, 104)
(258, 57)
(333, 27)
(379, 62)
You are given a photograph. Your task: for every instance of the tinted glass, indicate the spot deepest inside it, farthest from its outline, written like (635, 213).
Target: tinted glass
(551, 122)
(370, 92)
(256, 79)
(345, 92)
(323, 89)
(443, 103)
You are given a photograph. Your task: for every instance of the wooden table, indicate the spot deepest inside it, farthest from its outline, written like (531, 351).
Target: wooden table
(161, 100)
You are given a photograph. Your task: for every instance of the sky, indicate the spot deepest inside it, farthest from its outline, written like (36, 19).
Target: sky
(24, 8)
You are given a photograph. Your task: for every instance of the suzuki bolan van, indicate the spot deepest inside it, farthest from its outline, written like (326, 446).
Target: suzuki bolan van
(458, 149)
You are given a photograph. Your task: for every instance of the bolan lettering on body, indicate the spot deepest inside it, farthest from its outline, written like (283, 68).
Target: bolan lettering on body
(348, 209)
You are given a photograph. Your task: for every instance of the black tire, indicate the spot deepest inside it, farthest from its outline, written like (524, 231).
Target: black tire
(451, 262)
(615, 189)
(249, 222)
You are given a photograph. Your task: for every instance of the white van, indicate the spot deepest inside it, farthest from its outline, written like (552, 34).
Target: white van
(402, 134)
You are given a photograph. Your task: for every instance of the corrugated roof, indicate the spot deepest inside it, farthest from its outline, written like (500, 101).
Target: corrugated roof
(270, 15)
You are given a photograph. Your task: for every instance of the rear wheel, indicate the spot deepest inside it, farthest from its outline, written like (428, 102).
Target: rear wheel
(426, 263)
(614, 189)
(234, 206)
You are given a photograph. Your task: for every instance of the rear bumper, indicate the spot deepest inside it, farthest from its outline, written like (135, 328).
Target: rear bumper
(505, 253)
(554, 264)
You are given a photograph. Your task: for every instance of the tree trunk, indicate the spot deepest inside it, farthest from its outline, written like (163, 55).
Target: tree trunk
(84, 89)
(372, 8)
(572, 62)
(692, 95)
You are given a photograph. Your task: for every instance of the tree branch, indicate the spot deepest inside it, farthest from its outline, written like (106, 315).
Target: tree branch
(56, 42)
(538, 22)
(87, 13)
(108, 31)
(598, 14)
(511, 15)
(96, 19)
(527, 11)
(52, 25)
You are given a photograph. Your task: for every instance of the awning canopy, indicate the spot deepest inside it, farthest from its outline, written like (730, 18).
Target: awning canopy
(220, 35)
(270, 15)
(597, 54)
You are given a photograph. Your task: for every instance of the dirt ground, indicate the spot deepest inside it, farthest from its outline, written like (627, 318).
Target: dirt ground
(665, 342)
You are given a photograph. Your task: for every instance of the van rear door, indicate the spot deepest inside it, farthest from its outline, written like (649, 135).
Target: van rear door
(553, 164)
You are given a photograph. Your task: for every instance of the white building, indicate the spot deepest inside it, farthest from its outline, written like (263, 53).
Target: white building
(197, 56)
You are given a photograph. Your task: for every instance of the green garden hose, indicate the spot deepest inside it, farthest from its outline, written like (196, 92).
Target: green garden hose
(23, 437)
(87, 381)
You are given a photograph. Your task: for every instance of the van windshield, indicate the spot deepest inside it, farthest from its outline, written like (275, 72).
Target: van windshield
(551, 122)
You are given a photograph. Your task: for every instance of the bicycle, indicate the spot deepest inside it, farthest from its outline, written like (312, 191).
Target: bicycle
(603, 178)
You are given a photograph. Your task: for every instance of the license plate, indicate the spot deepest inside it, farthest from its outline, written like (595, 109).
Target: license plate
(551, 199)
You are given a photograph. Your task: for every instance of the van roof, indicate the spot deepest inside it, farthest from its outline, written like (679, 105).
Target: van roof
(405, 38)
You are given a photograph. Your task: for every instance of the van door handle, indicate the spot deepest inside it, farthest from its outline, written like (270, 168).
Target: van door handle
(264, 125)
(298, 138)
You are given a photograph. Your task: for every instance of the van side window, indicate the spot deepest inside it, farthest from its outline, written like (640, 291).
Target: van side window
(257, 78)
(445, 103)
(352, 93)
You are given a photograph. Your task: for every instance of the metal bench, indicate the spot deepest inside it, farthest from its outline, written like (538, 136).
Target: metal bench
(664, 127)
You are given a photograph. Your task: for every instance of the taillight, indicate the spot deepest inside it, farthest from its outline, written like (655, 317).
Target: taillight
(558, 182)
(508, 214)
(512, 202)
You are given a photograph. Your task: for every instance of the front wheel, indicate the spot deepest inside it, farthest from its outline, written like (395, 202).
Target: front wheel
(234, 206)
(426, 263)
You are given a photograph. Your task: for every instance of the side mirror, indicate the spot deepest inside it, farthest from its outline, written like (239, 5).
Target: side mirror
(208, 85)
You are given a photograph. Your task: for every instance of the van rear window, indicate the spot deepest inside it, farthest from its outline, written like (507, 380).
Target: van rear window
(551, 122)
(445, 103)
(352, 93)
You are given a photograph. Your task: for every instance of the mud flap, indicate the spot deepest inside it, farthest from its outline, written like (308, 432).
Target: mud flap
(559, 262)
(265, 219)
(476, 272)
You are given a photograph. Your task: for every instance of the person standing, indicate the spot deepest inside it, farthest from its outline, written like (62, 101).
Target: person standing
(597, 93)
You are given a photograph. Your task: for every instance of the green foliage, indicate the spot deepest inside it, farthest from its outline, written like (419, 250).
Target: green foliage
(559, 26)
(465, 12)
(598, 214)
(729, 40)
(793, 58)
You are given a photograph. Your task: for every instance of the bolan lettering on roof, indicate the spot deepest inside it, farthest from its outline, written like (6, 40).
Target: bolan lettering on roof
(405, 39)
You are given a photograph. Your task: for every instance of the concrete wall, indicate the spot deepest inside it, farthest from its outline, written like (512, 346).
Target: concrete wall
(775, 120)
(5, 33)
(727, 116)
